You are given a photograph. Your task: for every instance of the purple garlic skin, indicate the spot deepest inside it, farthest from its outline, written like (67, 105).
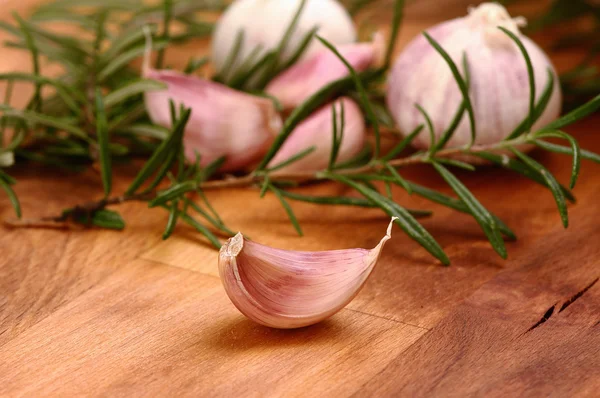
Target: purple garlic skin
(288, 289)
(297, 83)
(499, 88)
(224, 122)
(317, 131)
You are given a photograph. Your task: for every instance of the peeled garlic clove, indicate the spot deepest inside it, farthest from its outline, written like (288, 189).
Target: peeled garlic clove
(264, 23)
(317, 131)
(499, 85)
(288, 289)
(224, 122)
(299, 82)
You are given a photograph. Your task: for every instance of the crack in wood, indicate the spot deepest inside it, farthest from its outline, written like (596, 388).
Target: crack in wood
(577, 296)
(546, 316)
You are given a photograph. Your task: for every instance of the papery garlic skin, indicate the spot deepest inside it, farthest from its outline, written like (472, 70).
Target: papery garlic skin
(317, 131)
(499, 87)
(296, 84)
(288, 289)
(264, 23)
(224, 122)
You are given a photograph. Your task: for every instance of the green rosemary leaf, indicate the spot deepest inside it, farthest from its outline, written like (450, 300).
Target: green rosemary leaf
(84, 21)
(125, 58)
(173, 193)
(575, 115)
(274, 67)
(514, 165)
(307, 108)
(480, 213)
(444, 200)
(575, 149)
(217, 223)
(366, 104)
(37, 97)
(66, 93)
(5, 185)
(10, 180)
(202, 229)
(167, 16)
(539, 108)
(530, 75)
(449, 132)
(396, 22)
(300, 155)
(103, 142)
(209, 206)
(126, 39)
(308, 38)
(587, 155)
(402, 145)
(429, 127)
(456, 163)
(383, 115)
(388, 190)
(361, 159)
(212, 168)
(132, 89)
(146, 130)
(405, 220)
(194, 64)
(462, 85)
(337, 136)
(122, 120)
(288, 209)
(265, 187)
(398, 178)
(107, 219)
(163, 157)
(553, 185)
(232, 57)
(172, 221)
(50, 121)
(329, 200)
(244, 74)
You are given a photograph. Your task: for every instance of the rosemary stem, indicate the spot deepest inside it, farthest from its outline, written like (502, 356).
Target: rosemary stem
(255, 180)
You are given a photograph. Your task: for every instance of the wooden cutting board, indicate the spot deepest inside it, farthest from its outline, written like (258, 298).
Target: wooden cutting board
(125, 314)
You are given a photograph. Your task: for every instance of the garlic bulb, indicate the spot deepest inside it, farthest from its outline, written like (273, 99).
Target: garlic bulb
(296, 84)
(499, 87)
(317, 131)
(264, 23)
(288, 289)
(224, 122)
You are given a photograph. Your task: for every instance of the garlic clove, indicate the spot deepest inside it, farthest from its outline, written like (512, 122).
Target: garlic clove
(264, 23)
(499, 89)
(288, 289)
(317, 131)
(223, 122)
(300, 81)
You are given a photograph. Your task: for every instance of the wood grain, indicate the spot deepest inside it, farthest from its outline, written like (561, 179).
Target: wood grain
(126, 314)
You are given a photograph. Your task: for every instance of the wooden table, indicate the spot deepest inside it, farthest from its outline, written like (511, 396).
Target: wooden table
(126, 314)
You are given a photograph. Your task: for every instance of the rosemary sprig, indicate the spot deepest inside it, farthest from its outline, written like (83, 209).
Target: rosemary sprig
(114, 124)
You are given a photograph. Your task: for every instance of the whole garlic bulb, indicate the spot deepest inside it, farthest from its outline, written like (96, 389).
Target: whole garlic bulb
(499, 88)
(264, 23)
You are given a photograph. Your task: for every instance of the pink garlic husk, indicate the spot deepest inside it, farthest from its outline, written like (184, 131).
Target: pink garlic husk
(290, 289)
(499, 87)
(223, 122)
(297, 83)
(317, 130)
